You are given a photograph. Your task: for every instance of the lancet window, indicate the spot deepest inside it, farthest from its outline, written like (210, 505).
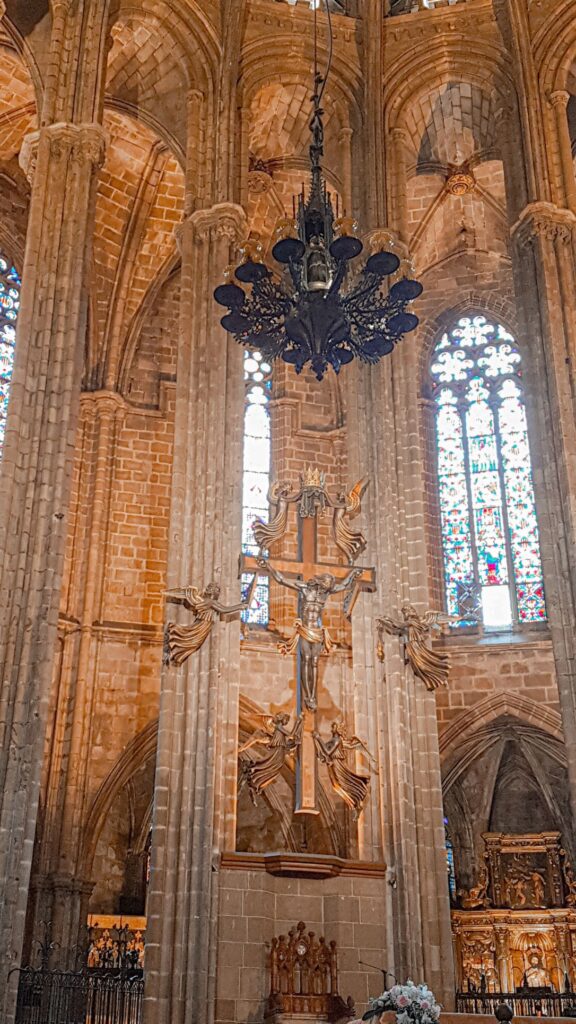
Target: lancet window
(256, 480)
(492, 563)
(9, 305)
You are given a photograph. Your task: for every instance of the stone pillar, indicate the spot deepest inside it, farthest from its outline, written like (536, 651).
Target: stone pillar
(543, 260)
(196, 765)
(397, 183)
(345, 137)
(374, 147)
(34, 493)
(395, 714)
(502, 957)
(559, 103)
(68, 773)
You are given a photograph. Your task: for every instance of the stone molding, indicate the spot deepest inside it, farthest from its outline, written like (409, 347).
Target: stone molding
(560, 98)
(546, 221)
(224, 220)
(2, 8)
(82, 143)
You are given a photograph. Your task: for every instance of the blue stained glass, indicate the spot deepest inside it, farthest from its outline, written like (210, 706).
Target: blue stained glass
(9, 305)
(483, 452)
(256, 478)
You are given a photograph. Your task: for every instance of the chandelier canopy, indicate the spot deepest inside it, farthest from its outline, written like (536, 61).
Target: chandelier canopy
(318, 311)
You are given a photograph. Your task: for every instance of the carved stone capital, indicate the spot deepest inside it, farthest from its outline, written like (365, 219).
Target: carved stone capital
(399, 135)
(82, 143)
(259, 182)
(544, 221)
(29, 154)
(224, 220)
(560, 99)
(103, 404)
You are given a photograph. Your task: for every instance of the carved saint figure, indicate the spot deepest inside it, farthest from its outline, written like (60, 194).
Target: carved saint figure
(351, 542)
(477, 896)
(353, 788)
(538, 889)
(309, 632)
(430, 666)
(279, 741)
(182, 641)
(536, 974)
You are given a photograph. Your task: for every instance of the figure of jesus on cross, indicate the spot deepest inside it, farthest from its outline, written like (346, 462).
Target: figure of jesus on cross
(310, 634)
(314, 583)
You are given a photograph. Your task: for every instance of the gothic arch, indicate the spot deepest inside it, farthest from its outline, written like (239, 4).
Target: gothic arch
(465, 726)
(416, 74)
(471, 303)
(555, 49)
(135, 754)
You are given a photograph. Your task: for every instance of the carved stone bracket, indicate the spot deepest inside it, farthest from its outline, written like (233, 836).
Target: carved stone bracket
(543, 220)
(224, 220)
(82, 143)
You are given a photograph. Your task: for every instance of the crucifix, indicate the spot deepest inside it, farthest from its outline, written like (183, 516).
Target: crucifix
(315, 582)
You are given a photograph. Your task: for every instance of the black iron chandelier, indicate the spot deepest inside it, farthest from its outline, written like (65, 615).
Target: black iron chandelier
(318, 311)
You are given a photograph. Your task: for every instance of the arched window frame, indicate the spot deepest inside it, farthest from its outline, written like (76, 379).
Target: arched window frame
(433, 388)
(10, 289)
(256, 469)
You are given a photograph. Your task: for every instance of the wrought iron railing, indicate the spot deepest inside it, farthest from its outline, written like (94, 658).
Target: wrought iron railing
(524, 1004)
(79, 997)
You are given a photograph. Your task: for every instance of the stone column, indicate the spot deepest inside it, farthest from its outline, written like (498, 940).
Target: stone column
(68, 773)
(196, 766)
(397, 183)
(34, 492)
(345, 136)
(395, 714)
(543, 259)
(502, 957)
(559, 103)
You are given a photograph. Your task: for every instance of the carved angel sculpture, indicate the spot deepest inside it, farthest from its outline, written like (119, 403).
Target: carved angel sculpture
(430, 666)
(353, 788)
(351, 542)
(280, 741)
(182, 641)
(267, 534)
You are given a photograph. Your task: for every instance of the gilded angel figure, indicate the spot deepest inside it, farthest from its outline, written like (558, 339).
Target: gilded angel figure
(280, 741)
(352, 787)
(432, 667)
(182, 641)
(351, 542)
(266, 534)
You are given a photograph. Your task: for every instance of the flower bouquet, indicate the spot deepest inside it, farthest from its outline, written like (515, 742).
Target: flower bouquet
(412, 1004)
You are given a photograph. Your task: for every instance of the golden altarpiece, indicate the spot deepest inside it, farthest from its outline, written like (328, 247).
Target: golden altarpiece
(515, 931)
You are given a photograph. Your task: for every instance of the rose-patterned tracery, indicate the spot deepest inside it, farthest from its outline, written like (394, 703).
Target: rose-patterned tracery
(492, 563)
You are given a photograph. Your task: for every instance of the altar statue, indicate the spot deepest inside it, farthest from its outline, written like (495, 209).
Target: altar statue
(182, 641)
(279, 741)
(353, 788)
(430, 666)
(536, 974)
(309, 632)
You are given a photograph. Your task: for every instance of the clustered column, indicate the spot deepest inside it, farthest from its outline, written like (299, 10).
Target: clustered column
(196, 770)
(36, 474)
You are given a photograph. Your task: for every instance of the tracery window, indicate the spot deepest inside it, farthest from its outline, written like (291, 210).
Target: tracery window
(492, 563)
(450, 865)
(10, 285)
(256, 481)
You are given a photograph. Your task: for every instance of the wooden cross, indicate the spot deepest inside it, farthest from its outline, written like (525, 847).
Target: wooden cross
(304, 568)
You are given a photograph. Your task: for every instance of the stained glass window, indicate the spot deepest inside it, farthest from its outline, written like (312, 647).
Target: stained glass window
(451, 867)
(492, 564)
(258, 384)
(9, 305)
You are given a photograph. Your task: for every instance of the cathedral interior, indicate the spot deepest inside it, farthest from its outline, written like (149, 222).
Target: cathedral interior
(288, 655)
